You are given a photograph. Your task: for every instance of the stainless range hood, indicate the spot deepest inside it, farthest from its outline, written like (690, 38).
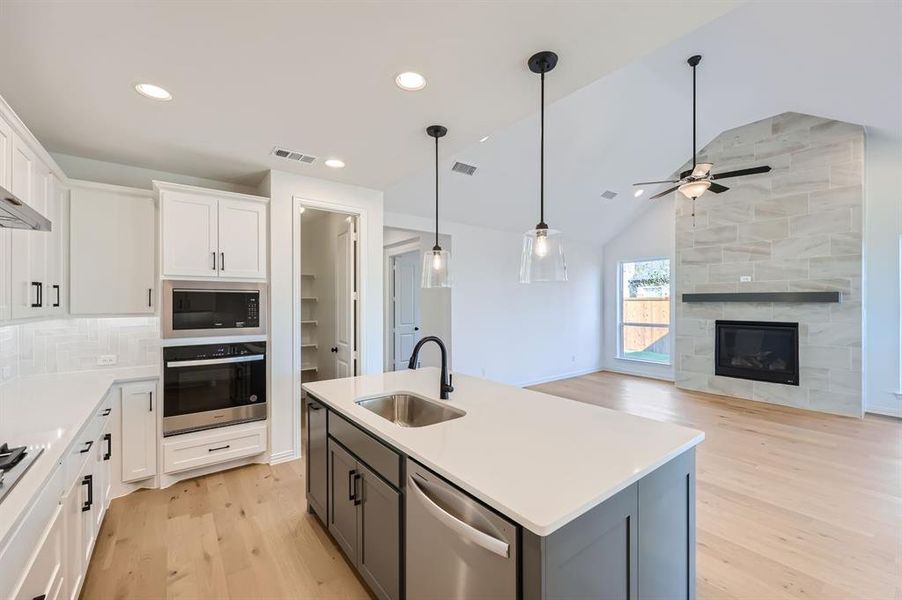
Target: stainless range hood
(15, 214)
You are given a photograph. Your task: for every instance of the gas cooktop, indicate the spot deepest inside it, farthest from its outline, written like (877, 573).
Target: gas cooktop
(14, 462)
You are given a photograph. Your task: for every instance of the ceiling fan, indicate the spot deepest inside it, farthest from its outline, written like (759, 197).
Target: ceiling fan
(696, 181)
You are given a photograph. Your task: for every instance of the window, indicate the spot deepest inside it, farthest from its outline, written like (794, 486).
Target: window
(645, 310)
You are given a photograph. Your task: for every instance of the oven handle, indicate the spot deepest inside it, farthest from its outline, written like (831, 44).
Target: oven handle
(214, 361)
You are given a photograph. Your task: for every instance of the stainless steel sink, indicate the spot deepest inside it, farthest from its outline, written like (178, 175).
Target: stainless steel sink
(410, 410)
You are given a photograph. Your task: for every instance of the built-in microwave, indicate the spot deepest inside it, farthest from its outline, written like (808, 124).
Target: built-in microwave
(212, 308)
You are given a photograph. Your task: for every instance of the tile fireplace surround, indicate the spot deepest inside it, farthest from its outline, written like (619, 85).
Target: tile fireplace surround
(795, 229)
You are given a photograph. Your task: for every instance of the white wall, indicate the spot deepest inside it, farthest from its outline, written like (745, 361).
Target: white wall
(88, 169)
(434, 303)
(511, 332)
(651, 235)
(882, 231)
(282, 188)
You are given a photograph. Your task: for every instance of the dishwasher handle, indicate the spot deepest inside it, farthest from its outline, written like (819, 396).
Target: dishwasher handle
(465, 530)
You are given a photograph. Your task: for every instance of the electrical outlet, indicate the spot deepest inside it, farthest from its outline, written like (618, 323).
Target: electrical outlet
(745, 278)
(107, 359)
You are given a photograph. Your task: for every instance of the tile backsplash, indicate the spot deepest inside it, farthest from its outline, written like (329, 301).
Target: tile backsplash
(63, 345)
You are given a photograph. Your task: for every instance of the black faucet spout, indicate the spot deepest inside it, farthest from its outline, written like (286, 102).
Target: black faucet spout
(445, 387)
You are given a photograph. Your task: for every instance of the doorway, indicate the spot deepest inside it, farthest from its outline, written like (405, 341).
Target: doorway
(328, 295)
(411, 311)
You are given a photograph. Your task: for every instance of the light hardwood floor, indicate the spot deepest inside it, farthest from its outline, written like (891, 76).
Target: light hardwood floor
(791, 504)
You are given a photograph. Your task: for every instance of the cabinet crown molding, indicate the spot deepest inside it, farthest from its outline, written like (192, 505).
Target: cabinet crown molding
(163, 186)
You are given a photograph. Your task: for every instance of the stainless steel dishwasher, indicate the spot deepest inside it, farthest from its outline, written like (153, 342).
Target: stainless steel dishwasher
(456, 547)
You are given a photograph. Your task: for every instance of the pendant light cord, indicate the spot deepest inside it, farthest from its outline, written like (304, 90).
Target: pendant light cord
(542, 156)
(436, 193)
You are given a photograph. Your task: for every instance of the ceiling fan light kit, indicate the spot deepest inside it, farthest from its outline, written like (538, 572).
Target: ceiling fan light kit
(542, 257)
(699, 179)
(436, 272)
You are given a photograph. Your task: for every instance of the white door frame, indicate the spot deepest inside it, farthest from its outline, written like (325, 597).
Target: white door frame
(362, 334)
(388, 253)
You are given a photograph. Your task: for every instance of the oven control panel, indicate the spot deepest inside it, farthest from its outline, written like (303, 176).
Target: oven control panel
(207, 351)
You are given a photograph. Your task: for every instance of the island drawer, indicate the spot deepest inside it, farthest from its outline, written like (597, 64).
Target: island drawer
(382, 459)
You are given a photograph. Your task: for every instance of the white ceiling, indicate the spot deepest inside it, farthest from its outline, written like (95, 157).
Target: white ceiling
(311, 76)
(841, 60)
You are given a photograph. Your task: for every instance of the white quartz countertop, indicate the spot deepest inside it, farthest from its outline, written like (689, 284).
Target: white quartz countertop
(49, 410)
(537, 458)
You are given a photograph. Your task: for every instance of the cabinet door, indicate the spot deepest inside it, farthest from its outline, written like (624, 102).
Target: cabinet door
(57, 196)
(112, 265)
(379, 530)
(242, 239)
(45, 575)
(6, 142)
(73, 521)
(106, 456)
(189, 235)
(343, 476)
(139, 431)
(317, 457)
(28, 181)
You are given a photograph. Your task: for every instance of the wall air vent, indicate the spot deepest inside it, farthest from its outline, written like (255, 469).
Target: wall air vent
(293, 155)
(464, 168)
(608, 195)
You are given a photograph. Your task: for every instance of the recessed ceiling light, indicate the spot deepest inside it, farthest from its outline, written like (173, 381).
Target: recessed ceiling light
(335, 163)
(483, 138)
(638, 193)
(410, 81)
(154, 92)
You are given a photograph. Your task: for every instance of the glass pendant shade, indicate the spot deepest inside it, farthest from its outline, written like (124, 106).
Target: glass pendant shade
(436, 269)
(694, 189)
(543, 256)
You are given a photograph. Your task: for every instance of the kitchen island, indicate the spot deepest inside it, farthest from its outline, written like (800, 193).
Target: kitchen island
(582, 501)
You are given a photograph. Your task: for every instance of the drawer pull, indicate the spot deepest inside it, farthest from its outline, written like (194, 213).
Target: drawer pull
(106, 412)
(219, 448)
(88, 481)
(108, 437)
(87, 447)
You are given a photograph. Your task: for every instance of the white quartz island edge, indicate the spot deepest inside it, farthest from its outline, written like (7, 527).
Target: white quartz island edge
(49, 411)
(539, 459)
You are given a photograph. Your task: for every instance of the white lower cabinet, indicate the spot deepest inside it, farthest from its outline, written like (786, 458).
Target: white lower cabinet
(194, 450)
(45, 577)
(139, 431)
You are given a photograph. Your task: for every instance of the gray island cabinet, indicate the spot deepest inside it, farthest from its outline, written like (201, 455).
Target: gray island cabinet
(638, 543)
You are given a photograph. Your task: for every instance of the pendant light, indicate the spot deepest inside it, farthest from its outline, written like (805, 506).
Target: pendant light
(436, 262)
(543, 248)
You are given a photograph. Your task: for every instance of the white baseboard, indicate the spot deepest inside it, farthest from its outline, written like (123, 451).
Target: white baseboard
(284, 456)
(560, 376)
(637, 373)
(886, 411)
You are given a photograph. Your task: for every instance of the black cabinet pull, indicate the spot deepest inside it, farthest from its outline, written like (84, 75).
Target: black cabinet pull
(351, 489)
(214, 260)
(106, 412)
(41, 597)
(222, 261)
(333, 349)
(109, 446)
(150, 402)
(36, 285)
(313, 406)
(149, 299)
(357, 498)
(88, 481)
(56, 287)
(87, 447)
(220, 448)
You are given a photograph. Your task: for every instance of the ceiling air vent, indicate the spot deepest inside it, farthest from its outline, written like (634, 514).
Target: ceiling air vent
(464, 168)
(293, 155)
(608, 195)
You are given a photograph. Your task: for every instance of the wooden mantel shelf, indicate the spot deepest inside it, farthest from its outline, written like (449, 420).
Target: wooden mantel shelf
(765, 297)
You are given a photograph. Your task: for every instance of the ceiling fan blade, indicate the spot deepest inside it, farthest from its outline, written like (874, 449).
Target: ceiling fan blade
(717, 188)
(664, 193)
(654, 182)
(740, 172)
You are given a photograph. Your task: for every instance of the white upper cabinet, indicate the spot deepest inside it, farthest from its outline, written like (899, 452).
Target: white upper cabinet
(57, 201)
(6, 143)
(242, 239)
(112, 263)
(210, 234)
(30, 182)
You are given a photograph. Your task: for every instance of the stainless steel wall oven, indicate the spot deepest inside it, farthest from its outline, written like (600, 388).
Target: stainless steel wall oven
(213, 385)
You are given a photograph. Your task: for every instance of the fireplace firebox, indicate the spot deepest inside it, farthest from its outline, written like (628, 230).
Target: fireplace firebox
(757, 350)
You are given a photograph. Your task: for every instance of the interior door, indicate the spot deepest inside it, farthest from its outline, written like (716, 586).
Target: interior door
(405, 306)
(346, 301)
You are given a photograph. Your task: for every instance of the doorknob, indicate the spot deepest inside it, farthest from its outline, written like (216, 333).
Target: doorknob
(334, 349)
(416, 328)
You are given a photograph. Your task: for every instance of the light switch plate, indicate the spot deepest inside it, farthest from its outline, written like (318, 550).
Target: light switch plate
(107, 359)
